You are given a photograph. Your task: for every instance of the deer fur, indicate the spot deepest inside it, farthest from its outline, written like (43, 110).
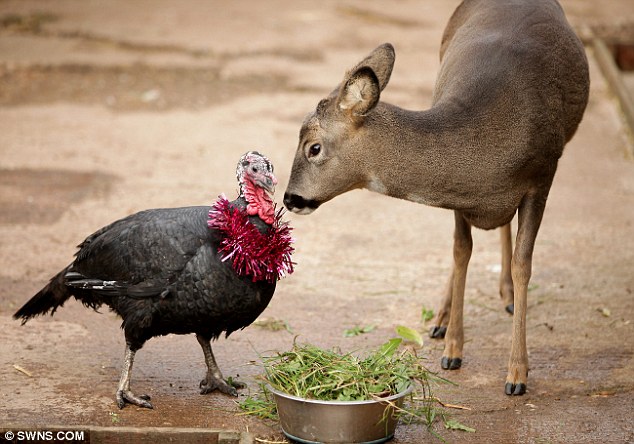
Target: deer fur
(511, 91)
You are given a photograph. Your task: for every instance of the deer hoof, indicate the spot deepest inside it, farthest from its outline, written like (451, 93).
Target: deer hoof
(510, 309)
(515, 389)
(437, 332)
(450, 363)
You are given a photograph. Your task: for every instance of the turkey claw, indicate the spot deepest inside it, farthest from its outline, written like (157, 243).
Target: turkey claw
(208, 385)
(126, 396)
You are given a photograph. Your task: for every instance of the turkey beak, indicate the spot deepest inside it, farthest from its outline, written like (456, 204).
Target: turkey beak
(268, 182)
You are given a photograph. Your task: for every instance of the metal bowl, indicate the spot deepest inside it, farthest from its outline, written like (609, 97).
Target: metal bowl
(315, 421)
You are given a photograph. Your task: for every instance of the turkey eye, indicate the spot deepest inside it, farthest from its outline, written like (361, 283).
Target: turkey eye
(314, 150)
(254, 169)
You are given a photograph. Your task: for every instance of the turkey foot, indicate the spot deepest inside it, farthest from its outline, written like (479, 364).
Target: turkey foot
(124, 396)
(211, 383)
(214, 380)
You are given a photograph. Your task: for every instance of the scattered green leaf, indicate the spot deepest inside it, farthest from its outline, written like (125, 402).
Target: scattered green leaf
(262, 405)
(409, 334)
(114, 418)
(273, 324)
(452, 424)
(426, 314)
(358, 330)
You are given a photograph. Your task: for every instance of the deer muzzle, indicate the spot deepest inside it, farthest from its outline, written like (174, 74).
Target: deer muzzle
(297, 204)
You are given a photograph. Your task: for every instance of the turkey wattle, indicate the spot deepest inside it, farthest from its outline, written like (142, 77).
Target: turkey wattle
(202, 270)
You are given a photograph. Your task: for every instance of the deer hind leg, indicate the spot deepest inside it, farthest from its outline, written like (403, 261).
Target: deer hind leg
(439, 327)
(454, 338)
(530, 215)
(506, 279)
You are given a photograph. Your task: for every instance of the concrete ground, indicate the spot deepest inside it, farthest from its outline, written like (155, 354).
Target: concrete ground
(107, 108)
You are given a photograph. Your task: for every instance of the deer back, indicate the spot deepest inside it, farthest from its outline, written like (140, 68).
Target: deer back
(511, 91)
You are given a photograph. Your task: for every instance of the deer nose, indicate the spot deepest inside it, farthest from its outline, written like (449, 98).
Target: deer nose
(297, 203)
(290, 201)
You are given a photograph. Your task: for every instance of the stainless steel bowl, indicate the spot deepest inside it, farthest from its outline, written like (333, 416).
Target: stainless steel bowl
(314, 421)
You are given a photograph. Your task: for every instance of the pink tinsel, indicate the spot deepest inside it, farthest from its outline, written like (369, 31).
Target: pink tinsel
(263, 256)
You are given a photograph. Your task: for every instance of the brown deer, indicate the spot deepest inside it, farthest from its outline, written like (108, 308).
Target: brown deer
(512, 88)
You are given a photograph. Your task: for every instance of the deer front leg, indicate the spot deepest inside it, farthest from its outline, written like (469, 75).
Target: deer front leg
(530, 215)
(454, 339)
(439, 327)
(506, 280)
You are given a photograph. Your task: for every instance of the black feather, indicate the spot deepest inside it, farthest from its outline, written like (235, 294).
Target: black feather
(160, 271)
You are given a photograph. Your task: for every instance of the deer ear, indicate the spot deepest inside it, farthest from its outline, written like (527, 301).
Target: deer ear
(381, 61)
(360, 92)
(363, 84)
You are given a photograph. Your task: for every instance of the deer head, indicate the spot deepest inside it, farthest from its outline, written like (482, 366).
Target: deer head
(331, 155)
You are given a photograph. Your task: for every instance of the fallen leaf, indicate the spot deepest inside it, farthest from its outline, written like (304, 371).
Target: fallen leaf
(273, 324)
(452, 424)
(603, 394)
(426, 314)
(22, 370)
(605, 312)
(358, 330)
(444, 404)
(409, 334)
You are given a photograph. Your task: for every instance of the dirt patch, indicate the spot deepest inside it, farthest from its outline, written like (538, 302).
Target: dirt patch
(31, 23)
(156, 115)
(129, 88)
(41, 196)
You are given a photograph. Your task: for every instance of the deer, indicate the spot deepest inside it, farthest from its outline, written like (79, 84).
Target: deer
(510, 93)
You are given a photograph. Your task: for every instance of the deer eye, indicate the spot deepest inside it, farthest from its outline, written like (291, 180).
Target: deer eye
(314, 150)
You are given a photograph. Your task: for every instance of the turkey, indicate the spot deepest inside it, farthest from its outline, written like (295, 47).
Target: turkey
(202, 270)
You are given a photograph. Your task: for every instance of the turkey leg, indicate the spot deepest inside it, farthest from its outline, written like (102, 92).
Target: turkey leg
(124, 394)
(214, 379)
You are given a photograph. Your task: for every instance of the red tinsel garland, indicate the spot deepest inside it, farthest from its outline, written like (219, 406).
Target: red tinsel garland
(263, 256)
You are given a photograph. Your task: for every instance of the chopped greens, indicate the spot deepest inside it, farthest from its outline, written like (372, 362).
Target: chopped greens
(307, 371)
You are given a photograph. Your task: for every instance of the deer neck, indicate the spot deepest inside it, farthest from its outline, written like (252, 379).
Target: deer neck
(416, 155)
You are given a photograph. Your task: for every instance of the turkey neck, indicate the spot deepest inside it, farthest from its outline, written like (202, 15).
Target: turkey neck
(259, 203)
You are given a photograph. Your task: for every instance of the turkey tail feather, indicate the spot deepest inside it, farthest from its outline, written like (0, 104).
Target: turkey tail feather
(49, 298)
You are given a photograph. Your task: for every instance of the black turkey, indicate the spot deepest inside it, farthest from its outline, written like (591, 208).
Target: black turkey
(202, 270)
